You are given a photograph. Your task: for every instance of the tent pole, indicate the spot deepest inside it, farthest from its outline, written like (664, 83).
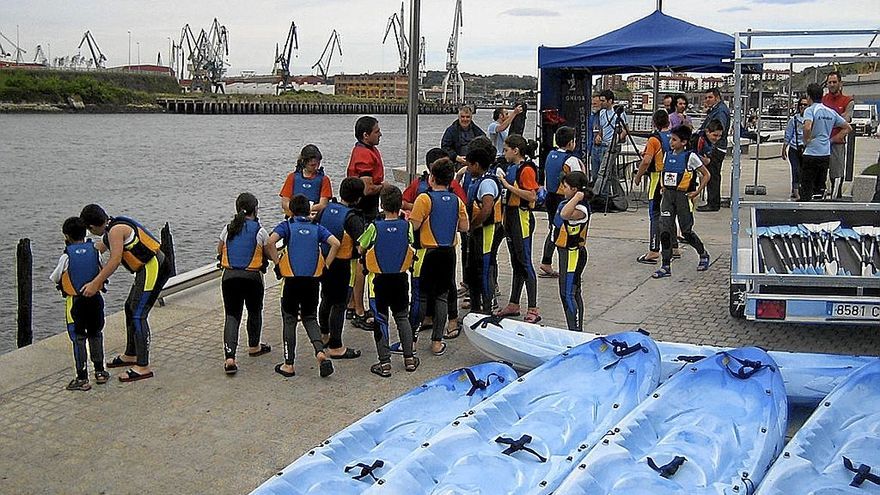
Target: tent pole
(737, 156)
(656, 72)
(412, 108)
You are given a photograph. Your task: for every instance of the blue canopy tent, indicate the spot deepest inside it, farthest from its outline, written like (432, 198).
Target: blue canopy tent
(657, 42)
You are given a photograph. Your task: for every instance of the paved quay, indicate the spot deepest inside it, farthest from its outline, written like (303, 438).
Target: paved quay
(192, 429)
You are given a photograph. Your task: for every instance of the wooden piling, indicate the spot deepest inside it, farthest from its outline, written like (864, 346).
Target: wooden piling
(24, 274)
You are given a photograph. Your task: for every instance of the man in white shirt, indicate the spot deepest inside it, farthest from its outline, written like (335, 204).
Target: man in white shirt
(498, 129)
(819, 121)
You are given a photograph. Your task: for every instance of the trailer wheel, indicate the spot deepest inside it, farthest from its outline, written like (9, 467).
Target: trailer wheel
(737, 306)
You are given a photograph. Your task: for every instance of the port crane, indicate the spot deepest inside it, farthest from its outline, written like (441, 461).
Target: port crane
(40, 57)
(396, 26)
(18, 50)
(98, 58)
(453, 83)
(282, 58)
(322, 67)
(206, 55)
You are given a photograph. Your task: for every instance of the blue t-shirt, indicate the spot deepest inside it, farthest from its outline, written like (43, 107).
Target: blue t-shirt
(607, 122)
(497, 137)
(283, 229)
(824, 120)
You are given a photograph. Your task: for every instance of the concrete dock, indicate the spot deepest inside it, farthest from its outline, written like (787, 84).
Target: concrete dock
(192, 429)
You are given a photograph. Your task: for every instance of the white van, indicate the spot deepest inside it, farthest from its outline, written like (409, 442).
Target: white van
(864, 119)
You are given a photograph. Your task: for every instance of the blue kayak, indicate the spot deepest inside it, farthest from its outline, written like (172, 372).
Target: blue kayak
(713, 428)
(351, 460)
(528, 436)
(837, 450)
(808, 377)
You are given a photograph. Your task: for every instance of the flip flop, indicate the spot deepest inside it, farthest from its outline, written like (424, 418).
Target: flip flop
(411, 364)
(703, 265)
(264, 348)
(133, 376)
(452, 334)
(348, 354)
(504, 314)
(646, 261)
(326, 368)
(230, 369)
(283, 373)
(442, 349)
(118, 362)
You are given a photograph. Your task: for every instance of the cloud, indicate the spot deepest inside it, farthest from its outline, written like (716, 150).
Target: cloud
(530, 12)
(735, 9)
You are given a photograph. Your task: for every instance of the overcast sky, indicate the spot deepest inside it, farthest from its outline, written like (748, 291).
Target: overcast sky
(499, 36)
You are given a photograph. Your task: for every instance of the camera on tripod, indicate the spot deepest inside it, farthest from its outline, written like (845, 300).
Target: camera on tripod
(619, 109)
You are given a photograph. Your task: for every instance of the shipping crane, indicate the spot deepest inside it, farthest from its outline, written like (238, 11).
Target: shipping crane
(98, 58)
(18, 50)
(453, 83)
(40, 57)
(322, 67)
(395, 24)
(206, 56)
(282, 58)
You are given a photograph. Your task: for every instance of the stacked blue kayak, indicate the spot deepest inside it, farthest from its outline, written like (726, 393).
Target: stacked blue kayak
(351, 460)
(713, 428)
(528, 436)
(837, 450)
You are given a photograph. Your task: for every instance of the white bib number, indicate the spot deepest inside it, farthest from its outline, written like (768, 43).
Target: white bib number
(670, 179)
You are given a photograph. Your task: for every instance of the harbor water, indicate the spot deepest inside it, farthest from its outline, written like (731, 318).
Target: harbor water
(182, 169)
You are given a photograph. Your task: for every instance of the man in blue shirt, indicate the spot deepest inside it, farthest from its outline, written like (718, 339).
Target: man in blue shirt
(603, 153)
(819, 121)
(716, 110)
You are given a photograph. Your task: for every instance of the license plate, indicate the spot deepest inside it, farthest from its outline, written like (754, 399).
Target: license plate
(849, 311)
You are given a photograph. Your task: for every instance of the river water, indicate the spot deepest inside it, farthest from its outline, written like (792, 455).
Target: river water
(183, 169)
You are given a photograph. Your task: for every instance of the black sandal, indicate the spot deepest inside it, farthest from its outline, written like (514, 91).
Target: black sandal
(264, 348)
(325, 369)
(453, 334)
(381, 369)
(348, 354)
(411, 363)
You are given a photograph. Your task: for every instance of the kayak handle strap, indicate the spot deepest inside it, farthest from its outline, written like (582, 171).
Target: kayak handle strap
(621, 350)
(517, 445)
(486, 321)
(669, 469)
(690, 359)
(366, 470)
(476, 383)
(747, 367)
(863, 473)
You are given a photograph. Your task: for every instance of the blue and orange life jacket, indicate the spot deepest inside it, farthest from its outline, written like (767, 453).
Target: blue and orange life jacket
(302, 255)
(333, 218)
(441, 225)
(675, 173)
(242, 251)
(311, 187)
(570, 236)
(513, 174)
(140, 250)
(555, 169)
(390, 251)
(83, 265)
(476, 203)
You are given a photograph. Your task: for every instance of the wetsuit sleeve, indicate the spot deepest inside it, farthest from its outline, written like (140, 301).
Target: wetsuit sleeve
(487, 187)
(528, 180)
(412, 235)
(421, 208)
(354, 225)
(652, 146)
(583, 209)
(326, 188)
(55, 276)
(462, 212)
(224, 234)
(287, 188)
(694, 162)
(369, 234)
(409, 194)
(574, 164)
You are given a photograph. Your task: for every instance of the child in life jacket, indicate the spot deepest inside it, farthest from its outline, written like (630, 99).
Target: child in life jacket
(300, 264)
(485, 236)
(244, 252)
(678, 182)
(307, 179)
(570, 224)
(77, 266)
(387, 250)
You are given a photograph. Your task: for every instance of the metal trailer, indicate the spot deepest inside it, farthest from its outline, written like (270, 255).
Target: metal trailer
(764, 281)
